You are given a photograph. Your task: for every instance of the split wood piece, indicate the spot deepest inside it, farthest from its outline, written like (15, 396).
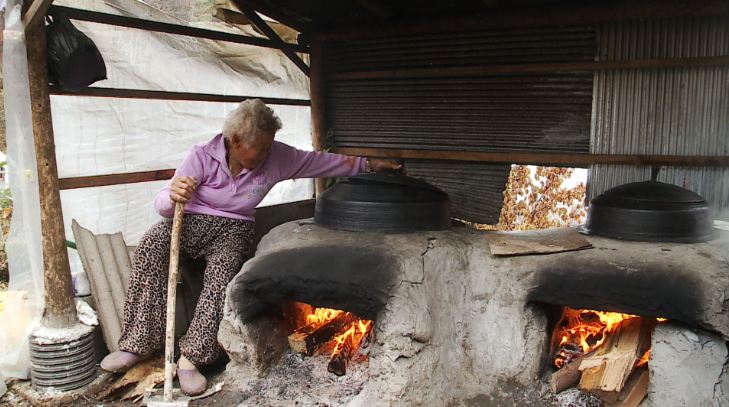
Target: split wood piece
(567, 376)
(338, 363)
(635, 390)
(310, 337)
(604, 374)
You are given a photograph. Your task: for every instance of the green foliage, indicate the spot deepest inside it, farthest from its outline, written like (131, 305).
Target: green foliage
(6, 200)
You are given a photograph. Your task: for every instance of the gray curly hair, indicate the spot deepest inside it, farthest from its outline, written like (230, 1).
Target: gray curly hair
(251, 117)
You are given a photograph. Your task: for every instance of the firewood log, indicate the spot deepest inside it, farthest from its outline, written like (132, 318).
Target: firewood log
(309, 338)
(604, 373)
(567, 376)
(338, 363)
(635, 390)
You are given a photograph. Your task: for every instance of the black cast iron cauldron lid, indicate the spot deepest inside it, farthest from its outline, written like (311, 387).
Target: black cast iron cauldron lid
(386, 202)
(650, 211)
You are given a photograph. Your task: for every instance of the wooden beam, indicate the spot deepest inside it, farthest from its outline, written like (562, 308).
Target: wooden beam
(556, 159)
(60, 309)
(258, 22)
(35, 12)
(282, 15)
(317, 92)
(468, 71)
(115, 179)
(131, 22)
(231, 17)
(164, 95)
(537, 16)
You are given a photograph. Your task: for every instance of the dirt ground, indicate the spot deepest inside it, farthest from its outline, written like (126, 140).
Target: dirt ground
(227, 396)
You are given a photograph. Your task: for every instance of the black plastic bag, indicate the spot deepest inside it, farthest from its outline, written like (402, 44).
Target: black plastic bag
(74, 62)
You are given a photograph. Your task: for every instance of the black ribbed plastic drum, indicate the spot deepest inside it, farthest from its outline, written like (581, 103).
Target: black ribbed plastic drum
(383, 202)
(650, 211)
(63, 366)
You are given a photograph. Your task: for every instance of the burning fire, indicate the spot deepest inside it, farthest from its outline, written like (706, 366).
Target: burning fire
(644, 359)
(355, 334)
(321, 329)
(582, 331)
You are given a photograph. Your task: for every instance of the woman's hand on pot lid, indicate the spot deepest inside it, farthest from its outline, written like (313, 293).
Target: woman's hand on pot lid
(182, 188)
(384, 164)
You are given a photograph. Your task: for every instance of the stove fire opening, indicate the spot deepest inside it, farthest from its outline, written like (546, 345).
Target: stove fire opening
(602, 353)
(341, 335)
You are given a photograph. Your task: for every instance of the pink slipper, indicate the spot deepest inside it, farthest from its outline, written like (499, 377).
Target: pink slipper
(120, 361)
(192, 382)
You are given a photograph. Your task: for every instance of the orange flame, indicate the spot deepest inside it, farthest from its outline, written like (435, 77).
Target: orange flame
(582, 331)
(322, 315)
(353, 333)
(644, 360)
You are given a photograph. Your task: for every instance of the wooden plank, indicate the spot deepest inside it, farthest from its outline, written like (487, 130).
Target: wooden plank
(164, 95)
(317, 93)
(35, 12)
(258, 22)
(555, 159)
(115, 179)
(60, 309)
(470, 71)
(535, 16)
(635, 390)
(566, 377)
(138, 23)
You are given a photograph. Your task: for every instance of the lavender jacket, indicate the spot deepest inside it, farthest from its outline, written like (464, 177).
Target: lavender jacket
(219, 193)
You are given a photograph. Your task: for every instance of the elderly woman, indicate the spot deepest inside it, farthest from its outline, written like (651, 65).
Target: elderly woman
(221, 182)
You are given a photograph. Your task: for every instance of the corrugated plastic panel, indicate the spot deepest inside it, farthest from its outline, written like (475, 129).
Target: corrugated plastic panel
(475, 189)
(681, 111)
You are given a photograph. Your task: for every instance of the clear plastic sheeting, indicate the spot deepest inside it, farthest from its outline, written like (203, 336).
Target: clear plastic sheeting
(23, 245)
(96, 136)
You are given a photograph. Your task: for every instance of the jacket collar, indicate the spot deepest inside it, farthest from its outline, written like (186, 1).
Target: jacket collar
(216, 149)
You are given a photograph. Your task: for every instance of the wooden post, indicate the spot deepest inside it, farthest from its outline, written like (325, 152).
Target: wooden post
(60, 310)
(317, 94)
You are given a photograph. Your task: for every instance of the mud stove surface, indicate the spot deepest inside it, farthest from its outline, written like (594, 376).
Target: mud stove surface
(453, 325)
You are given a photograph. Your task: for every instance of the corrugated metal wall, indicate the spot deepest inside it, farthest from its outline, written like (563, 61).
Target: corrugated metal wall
(682, 111)
(475, 190)
(505, 112)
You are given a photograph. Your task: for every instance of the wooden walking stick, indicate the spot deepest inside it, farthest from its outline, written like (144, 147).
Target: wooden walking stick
(171, 297)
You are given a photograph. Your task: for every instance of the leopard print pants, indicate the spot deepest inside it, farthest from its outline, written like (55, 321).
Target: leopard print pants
(223, 243)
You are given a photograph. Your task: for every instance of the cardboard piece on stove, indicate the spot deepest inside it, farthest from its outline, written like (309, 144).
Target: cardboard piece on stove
(536, 242)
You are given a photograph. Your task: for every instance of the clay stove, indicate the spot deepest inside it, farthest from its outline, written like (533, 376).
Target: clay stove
(453, 325)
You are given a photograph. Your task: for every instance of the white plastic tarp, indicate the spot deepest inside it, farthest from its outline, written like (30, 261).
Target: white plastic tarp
(95, 136)
(23, 245)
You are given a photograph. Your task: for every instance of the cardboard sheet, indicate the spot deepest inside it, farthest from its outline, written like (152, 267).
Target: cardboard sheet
(536, 242)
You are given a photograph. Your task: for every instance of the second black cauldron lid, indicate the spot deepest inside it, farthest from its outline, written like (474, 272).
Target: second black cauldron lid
(650, 211)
